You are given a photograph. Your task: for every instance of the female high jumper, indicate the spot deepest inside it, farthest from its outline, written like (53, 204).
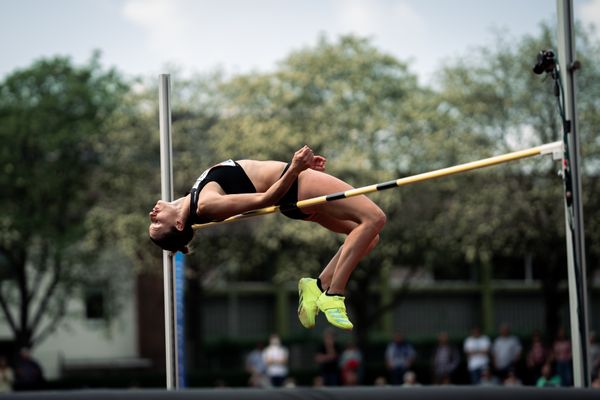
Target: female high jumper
(234, 187)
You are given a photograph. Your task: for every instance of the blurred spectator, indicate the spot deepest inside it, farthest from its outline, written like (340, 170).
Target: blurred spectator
(445, 360)
(537, 356)
(399, 356)
(548, 378)
(596, 380)
(328, 357)
(350, 376)
(380, 381)
(256, 367)
(487, 378)
(28, 372)
(512, 379)
(318, 381)
(220, 383)
(561, 351)
(594, 354)
(477, 349)
(506, 352)
(410, 379)
(7, 376)
(351, 364)
(289, 383)
(276, 359)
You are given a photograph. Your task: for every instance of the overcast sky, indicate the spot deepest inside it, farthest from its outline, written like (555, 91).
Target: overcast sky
(141, 37)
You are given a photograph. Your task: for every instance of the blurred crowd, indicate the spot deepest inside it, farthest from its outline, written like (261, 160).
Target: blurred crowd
(477, 360)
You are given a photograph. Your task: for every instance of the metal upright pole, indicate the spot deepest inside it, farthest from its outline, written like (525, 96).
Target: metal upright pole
(573, 202)
(166, 171)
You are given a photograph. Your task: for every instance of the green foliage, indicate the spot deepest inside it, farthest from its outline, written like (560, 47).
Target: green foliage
(495, 94)
(52, 115)
(348, 101)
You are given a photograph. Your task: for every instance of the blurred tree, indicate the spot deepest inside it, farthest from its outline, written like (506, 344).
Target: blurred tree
(366, 112)
(52, 116)
(346, 99)
(516, 211)
(362, 109)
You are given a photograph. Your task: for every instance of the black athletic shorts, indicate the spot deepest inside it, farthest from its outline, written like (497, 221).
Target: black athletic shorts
(287, 202)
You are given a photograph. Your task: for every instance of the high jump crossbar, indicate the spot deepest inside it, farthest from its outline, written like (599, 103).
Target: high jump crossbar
(554, 148)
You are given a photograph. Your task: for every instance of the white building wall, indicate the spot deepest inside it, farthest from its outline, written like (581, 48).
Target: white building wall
(78, 338)
(83, 339)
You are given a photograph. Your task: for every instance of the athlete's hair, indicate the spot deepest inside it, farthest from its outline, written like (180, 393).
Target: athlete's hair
(175, 240)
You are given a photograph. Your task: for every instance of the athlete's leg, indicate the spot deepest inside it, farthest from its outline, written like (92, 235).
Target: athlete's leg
(360, 219)
(338, 226)
(308, 288)
(362, 237)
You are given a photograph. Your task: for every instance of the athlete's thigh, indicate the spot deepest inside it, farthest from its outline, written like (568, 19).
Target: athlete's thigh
(333, 224)
(314, 183)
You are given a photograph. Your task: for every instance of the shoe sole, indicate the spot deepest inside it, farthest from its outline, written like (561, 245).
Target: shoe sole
(302, 310)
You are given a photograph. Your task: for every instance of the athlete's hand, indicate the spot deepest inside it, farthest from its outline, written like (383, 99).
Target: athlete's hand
(305, 158)
(318, 163)
(302, 159)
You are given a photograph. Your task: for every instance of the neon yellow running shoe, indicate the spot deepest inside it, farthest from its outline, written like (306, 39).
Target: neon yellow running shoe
(335, 310)
(309, 292)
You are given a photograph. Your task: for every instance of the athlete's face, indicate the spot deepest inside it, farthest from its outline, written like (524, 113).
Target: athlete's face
(162, 218)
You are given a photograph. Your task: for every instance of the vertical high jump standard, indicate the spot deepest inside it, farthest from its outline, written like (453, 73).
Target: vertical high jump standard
(166, 172)
(573, 209)
(573, 204)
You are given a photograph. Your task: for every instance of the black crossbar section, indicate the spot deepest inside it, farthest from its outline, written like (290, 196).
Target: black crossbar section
(336, 196)
(387, 185)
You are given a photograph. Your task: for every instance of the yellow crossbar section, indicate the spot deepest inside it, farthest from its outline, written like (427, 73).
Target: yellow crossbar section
(457, 169)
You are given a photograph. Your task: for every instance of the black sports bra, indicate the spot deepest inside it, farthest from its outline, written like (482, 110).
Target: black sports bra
(229, 175)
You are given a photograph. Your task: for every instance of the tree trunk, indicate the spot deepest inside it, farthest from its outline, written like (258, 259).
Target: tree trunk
(23, 334)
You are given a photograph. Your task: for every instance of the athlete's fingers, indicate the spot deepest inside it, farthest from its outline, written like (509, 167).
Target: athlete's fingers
(318, 163)
(303, 159)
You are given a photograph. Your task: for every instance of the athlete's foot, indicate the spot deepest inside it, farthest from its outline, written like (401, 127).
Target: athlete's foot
(309, 292)
(335, 310)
